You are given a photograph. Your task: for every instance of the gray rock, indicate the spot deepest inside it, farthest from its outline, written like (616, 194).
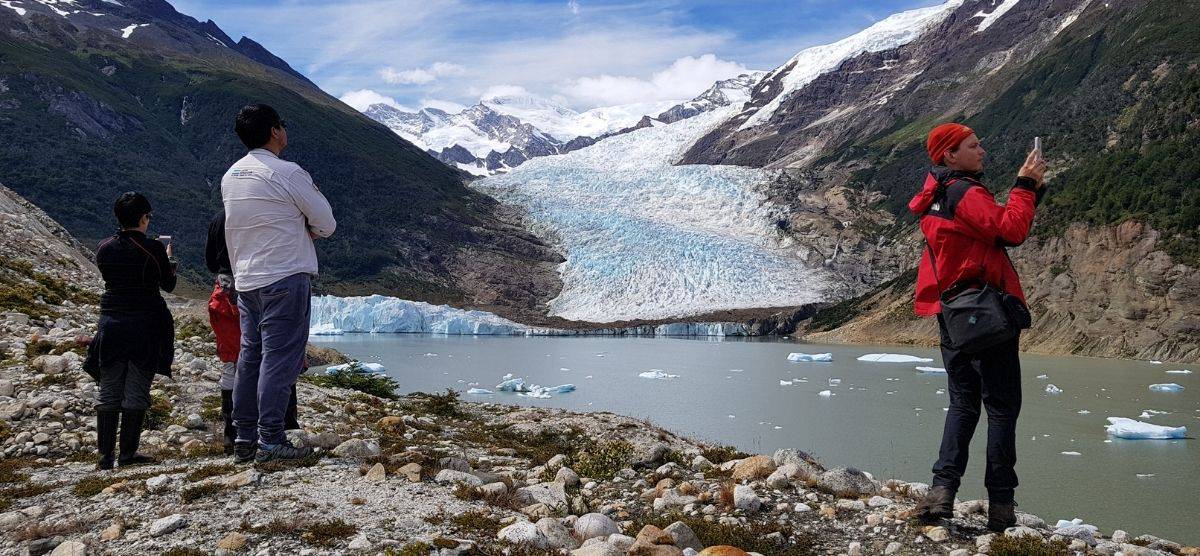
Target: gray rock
(167, 525)
(356, 448)
(598, 549)
(745, 499)
(684, 536)
(457, 464)
(557, 535)
(161, 483)
(1031, 521)
(701, 463)
(42, 546)
(848, 481)
(7, 389)
(1022, 531)
(360, 544)
(70, 548)
(493, 489)
(451, 476)
(566, 476)
(1080, 532)
(594, 525)
(195, 421)
(879, 502)
(1154, 543)
(550, 494)
(650, 456)
(523, 532)
(1120, 536)
(806, 465)
(892, 548)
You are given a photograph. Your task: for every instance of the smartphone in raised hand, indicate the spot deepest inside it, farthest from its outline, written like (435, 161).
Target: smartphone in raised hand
(1037, 146)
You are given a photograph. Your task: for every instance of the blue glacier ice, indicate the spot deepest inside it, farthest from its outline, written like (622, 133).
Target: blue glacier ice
(377, 313)
(1122, 427)
(479, 391)
(1169, 387)
(646, 239)
(892, 358)
(804, 357)
(368, 367)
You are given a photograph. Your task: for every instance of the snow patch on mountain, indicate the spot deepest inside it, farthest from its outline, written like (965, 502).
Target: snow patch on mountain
(9, 4)
(645, 239)
(891, 32)
(996, 14)
(565, 124)
(128, 31)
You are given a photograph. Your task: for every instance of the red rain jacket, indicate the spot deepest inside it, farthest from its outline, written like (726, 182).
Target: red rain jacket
(224, 319)
(968, 232)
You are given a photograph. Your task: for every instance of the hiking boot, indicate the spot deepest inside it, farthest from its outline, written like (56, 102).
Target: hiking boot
(269, 452)
(229, 435)
(135, 459)
(937, 505)
(244, 452)
(106, 438)
(131, 438)
(1001, 516)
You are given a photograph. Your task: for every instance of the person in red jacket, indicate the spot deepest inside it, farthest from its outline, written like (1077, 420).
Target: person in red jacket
(967, 233)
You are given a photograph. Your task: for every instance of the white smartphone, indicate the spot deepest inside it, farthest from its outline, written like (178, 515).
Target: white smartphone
(165, 239)
(1037, 146)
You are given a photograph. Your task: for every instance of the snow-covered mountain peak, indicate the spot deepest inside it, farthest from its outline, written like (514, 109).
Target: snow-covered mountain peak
(891, 32)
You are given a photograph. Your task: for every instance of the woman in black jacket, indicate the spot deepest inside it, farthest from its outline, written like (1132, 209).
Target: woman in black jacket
(136, 335)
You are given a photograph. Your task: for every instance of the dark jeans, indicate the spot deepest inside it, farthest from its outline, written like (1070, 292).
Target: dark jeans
(274, 322)
(992, 377)
(124, 386)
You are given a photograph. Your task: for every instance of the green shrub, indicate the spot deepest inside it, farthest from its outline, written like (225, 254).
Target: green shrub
(193, 493)
(603, 460)
(1027, 546)
(326, 533)
(751, 537)
(356, 377)
(444, 405)
(159, 414)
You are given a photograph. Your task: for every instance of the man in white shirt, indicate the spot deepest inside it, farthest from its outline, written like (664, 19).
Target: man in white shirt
(273, 212)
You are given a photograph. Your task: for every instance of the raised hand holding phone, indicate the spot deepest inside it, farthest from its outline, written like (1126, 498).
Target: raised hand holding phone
(1035, 165)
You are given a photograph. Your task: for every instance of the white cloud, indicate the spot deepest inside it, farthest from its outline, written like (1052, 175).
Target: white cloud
(443, 105)
(420, 76)
(504, 91)
(363, 98)
(685, 78)
(573, 5)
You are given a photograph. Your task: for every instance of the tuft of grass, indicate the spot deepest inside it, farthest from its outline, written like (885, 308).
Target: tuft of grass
(751, 537)
(356, 377)
(192, 326)
(327, 533)
(194, 493)
(275, 466)
(184, 551)
(209, 471)
(476, 523)
(410, 549)
(1027, 546)
(10, 469)
(159, 414)
(721, 454)
(22, 490)
(443, 405)
(604, 459)
(210, 408)
(5, 432)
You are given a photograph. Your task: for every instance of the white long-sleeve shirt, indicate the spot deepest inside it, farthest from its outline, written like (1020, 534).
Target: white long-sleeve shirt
(271, 205)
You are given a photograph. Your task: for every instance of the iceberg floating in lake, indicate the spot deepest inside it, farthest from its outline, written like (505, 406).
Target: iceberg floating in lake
(835, 381)
(785, 383)
(479, 391)
(1071, 454)
(369, 367)
(810, 357)
(825, 393)
(1052, 389)
(1180, 372)
(1169, 387)
(893, 358)
(1122, 427)
(324, 329)
(931, 369)
(517, 386)
(1043, 377)
(657, 374)
(512, 385)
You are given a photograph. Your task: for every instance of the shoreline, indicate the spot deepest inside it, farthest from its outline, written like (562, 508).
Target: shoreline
(390, 476)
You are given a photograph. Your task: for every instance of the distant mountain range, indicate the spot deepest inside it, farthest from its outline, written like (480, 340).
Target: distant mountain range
(98, 97)
(502, 132)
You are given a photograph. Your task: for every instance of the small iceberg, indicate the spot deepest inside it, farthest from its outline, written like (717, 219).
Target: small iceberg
(835, 381)
(1071, 454)
(893, 358)
(479, 392)
(785, 383)
(512, 385)
(810, 357)
(536, 391)
(939, 370)
(1077, 522)
(1156, 363)
(1122, 427)
(1052, 389)
(1180, 372)
(369, 367)
(657, 374)
(1083, 412)
(1168, 387)
(825, 393)
(1043, 377)
(325, 329)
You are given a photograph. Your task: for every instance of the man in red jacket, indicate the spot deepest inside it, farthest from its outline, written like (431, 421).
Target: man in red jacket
(967, 234)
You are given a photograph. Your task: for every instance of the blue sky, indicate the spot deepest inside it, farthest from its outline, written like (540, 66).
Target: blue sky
(582, 53)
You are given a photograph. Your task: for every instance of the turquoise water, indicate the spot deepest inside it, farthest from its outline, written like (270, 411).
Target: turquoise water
(885, 418)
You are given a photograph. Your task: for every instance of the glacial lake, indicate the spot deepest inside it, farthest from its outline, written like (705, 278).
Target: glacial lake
(885, 418)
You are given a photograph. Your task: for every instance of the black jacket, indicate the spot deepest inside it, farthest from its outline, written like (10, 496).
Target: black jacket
(216, 254)
(135, 324)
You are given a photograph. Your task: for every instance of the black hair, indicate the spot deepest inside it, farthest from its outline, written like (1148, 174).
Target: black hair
(254, 123)
(129, 208)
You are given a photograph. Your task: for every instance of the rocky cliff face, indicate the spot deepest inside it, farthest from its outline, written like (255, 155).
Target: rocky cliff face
(1106, 291)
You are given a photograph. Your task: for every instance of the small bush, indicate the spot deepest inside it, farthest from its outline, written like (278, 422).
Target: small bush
(193, 493)
(476, 523)
(39, 347)
(751, 537)
(184, 551)
(604, 460)
(1027, 546)
(275, 466)
(191, 326)
(357, 377)
(444, 405)
(209, 471)
(24, 490)
(410, 549)
(210, 408)
(325, 533)
(721, 454)
(159, 414)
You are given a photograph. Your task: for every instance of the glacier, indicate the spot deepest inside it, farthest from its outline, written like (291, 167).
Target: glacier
(645, 239)
(1122, 427)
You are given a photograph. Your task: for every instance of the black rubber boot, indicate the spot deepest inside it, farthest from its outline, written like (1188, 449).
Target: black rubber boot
(289, 417)
(937, 505)
(131, 437)
(227, 414)
(106, 437)
(1001, 516)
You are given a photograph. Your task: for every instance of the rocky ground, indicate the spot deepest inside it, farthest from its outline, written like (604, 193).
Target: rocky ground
(427, 474)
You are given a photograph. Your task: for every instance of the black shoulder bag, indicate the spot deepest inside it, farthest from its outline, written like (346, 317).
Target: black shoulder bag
(979, 315)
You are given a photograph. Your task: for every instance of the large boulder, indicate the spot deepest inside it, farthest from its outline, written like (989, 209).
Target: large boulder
(754, 467)
(684, 536)
(557, 535)
(523, 532)
(806, 464)
(745, 499)
(848, 481)
(356, 448)
(553, 495)
(595, 525)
